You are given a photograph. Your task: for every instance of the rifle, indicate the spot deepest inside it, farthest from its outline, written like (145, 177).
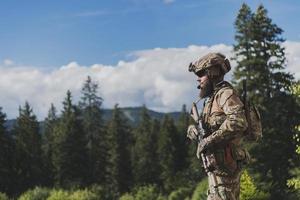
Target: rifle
(201, 134)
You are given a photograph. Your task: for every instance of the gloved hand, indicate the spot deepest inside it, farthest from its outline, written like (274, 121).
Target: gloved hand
(192, 133)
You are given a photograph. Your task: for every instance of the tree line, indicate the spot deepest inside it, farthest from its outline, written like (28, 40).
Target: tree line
(76, 149)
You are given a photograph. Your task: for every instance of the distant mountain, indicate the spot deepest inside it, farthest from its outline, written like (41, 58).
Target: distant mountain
(132, 113)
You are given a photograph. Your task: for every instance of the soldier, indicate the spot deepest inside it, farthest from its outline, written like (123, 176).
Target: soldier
(223, 123)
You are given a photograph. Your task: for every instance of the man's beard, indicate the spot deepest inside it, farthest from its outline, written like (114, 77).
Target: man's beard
(206, 89)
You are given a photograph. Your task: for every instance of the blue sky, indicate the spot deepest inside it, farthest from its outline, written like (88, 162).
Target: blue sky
(137, 50)
(55, 32)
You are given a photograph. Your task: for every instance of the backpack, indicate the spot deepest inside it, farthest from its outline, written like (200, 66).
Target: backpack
(254, 131)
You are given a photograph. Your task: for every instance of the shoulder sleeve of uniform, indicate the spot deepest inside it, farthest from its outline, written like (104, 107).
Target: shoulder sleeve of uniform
(235, 123)
(223, 95)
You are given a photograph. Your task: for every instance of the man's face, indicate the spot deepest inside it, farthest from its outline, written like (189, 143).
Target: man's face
(205, 85)
(202, 79)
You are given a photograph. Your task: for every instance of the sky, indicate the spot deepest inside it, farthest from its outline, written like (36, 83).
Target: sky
(137, 50)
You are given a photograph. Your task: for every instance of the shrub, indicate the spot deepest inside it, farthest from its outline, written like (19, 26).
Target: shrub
(3, 196)
(180, 194)
(99, 191)
(200, 193)
(126, 196)
(161, 197)
(58, 195)
(147, 193)
(38, 193)
(83, 195)
(248, 189)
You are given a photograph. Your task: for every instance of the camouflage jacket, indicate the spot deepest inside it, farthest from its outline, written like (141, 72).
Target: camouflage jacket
(223, 115)
(224, 119)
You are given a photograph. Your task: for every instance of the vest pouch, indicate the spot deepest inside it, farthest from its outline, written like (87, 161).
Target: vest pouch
(227, 165)
(240, 155)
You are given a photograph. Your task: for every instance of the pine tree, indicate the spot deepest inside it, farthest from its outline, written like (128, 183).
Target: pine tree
(51, 122)
(294, 182)
(261, 61)
(119, 175)
(167, 153)
(144, 150)
(28, 159)
(90, 105)
(6, 152)
(153, 154)
(69, 142)
(243, 50)
(182, 142)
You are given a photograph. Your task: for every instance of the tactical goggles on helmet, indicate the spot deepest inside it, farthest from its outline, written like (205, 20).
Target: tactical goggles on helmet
(201, 73)
(192, 68)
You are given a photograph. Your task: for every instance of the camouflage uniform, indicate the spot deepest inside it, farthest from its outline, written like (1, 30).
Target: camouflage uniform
(224, 120)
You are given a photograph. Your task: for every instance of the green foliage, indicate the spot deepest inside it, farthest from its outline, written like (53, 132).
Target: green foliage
(3, 196)
(37, 193)
(70, 154)
(28, 153)
(294, 183)
(167, 153)
(144, 156)
(180, 194)
(261, 61)
(58, 195)
(84, 194)
(162, 197)
(99, 191)
(147, 193)
(295, 89)
(126, 196)
(93, 128)
(182, 142)
(119, 165)
(6, 161)
(51, 122)
(200, 193)
(248, 189)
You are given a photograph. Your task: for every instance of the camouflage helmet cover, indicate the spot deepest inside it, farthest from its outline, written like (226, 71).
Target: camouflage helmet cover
(210, 60)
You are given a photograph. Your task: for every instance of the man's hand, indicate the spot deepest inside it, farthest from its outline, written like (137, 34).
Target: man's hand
(192, 132)
(202, 145)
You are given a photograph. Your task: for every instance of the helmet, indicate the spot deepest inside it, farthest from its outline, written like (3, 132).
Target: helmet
(210, 60)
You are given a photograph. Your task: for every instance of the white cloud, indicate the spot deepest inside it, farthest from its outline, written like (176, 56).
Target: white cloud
(158, 78)
(293, 57)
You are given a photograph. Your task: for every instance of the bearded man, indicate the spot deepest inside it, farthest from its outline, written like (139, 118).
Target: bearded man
(223, 123)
